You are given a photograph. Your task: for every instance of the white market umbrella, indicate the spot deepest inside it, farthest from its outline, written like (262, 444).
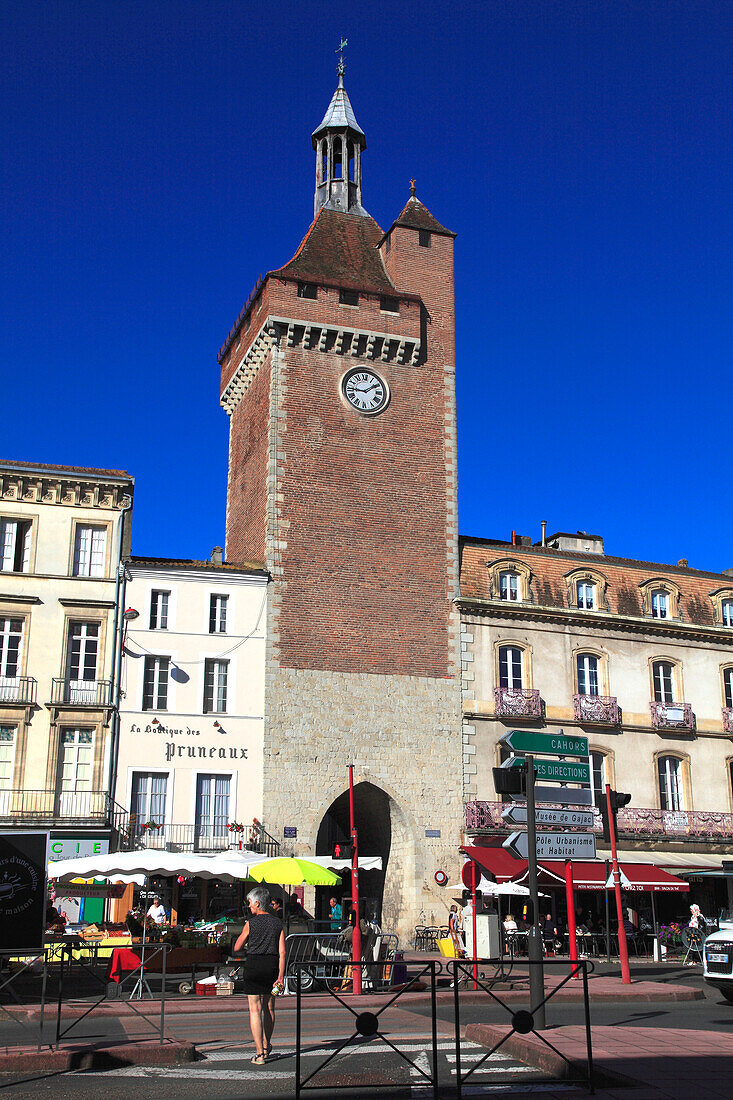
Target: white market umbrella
(499, 889)
(366, 863)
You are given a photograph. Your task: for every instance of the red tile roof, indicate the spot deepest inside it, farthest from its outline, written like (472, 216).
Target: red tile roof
(623, 575)
(91, 470)
(191, 563)
(341, 250)
(417, 216)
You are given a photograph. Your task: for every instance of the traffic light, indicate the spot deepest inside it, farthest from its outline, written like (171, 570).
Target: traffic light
(618, 799)
(343, 851)
(511, 778)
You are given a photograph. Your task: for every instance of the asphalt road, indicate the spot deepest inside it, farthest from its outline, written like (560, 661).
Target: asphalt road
(225, 1071)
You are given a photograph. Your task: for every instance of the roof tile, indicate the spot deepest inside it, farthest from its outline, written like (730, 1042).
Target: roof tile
(341, 250)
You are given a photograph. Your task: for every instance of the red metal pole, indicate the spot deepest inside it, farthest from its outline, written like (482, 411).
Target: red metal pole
(474, 877)
(570, 899)
(623, 949)
(356, 939)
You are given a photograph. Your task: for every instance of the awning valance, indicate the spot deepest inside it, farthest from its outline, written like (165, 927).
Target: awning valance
(587, 874)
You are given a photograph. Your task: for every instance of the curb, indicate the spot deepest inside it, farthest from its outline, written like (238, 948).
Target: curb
(532, 1051)
(638, 992)
(109, 1056)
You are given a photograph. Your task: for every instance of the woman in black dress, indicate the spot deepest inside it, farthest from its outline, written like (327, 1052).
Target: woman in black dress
(264, 968)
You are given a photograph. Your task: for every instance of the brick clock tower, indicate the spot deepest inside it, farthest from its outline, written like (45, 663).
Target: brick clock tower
(339, 381)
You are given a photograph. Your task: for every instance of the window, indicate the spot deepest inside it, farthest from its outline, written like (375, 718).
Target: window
(728, 686)
(15, 545)
(660, 604)
(307, 290)
(75, 772)
(159, 610)
(218, 614)
(510, 667)
(726, 612)
(215, 687)
(663, 673)
(212, 805)
(89, 547)
(81, 663)
(11, 639)
(598, 775)
(155, 683)
(389, 305)
(147, 800)
(7, 757)
(348, 297)
(509, 587)
(587, 665)
(670, 782)
(423, 236)
(585, 592)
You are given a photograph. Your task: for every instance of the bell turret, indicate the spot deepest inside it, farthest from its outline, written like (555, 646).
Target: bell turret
(339, 142)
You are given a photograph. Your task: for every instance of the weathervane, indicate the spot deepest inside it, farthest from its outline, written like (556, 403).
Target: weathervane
(413, 187)
(340, 50)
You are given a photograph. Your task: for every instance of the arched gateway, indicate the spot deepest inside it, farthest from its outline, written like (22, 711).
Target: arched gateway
(383, 830)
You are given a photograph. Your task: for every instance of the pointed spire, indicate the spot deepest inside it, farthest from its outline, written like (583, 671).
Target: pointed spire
(339, 142)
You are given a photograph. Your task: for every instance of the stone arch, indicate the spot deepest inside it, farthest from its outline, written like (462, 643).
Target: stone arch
(385, 829)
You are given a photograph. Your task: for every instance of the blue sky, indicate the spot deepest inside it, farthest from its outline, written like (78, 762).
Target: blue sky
(157, 158)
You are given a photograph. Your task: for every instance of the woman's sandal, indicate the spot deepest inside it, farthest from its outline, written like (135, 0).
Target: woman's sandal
(258, 1060)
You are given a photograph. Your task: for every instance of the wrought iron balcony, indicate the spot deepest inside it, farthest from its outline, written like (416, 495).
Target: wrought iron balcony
(18, 689)
(54, 806)
(196, 838)
(672, 716)
(596, 710)
(517, 703)
(81, 693)
(634, 822)
(728, 719)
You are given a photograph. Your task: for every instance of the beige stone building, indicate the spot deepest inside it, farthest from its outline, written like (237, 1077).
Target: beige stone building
(62, 532)
(634, 655)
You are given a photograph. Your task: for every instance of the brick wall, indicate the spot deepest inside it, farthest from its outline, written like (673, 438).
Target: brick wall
(247, 482)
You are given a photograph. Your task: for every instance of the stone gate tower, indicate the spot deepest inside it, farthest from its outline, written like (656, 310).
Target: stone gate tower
(339, 381)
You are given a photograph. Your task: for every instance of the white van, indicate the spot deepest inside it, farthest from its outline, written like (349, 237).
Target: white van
(718, 958)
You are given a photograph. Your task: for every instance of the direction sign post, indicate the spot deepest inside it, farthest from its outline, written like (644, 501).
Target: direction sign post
(547, 744)
(559, 771)
(553, 846)
(566, 796)
(577, 819)
(534, 945)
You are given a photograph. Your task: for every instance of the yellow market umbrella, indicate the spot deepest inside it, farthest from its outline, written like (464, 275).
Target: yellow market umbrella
(288, 871)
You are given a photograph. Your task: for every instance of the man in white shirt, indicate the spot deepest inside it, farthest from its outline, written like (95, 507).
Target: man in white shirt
(157, 911)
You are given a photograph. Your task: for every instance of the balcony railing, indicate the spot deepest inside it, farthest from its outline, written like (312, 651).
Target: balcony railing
(634, 822)
(596, 710)
(193, 838)
(517, 703)
(53, 806)
(18, 689)
(81, 693)
(728, 719)
(672, 716)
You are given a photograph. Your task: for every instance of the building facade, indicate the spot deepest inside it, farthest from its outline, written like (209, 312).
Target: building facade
(339, 381)
(62, 531)
(191, 716)
(634, 655)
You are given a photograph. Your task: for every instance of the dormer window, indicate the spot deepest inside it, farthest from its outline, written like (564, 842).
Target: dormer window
(389, 305)
(585, 592)
(660, 604)
(509, 587)
(349, 297)
(307, 290)
(726, 612)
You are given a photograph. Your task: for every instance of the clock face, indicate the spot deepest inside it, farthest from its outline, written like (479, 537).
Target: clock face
(365, 391)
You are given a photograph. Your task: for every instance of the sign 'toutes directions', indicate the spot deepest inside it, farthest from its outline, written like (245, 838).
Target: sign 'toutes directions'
(558, 771)
(553, 845)
(579, 819)
(547, 744)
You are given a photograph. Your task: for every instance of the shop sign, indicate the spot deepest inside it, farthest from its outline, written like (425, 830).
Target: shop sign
(89, 890)
(71, 847)
(181, 743)
(23, 860)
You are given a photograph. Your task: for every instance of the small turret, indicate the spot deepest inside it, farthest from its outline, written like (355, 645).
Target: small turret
(338, 143)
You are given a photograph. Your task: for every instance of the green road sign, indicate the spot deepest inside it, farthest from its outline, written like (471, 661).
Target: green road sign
(547, 744)
(559, 771)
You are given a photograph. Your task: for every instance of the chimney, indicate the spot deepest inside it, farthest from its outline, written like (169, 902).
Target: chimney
(543, 525)
(217, 556)
(684, 563)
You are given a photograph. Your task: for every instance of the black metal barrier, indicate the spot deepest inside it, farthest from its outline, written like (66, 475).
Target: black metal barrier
(112, 989)
(522, 1020)
(366, 1026)
(28, 959)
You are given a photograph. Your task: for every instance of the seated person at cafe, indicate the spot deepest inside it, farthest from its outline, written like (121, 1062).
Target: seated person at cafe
(510, 925)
